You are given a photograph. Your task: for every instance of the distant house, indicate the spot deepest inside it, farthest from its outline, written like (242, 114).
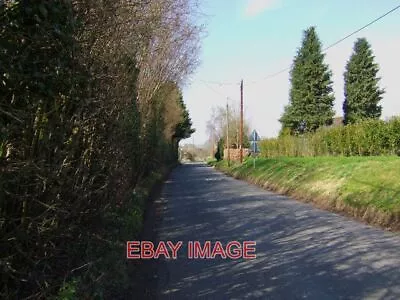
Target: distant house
(337, 121)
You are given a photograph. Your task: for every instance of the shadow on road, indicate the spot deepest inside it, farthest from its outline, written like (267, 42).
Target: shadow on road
(302, 252)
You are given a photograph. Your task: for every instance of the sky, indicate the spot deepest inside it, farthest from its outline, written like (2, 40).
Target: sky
(252, 39)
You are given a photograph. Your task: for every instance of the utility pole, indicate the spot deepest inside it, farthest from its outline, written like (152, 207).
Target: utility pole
(227, 132)
(241, 122)
(212, 143)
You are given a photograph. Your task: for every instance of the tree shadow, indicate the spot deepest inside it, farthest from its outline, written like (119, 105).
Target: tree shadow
(302, 252)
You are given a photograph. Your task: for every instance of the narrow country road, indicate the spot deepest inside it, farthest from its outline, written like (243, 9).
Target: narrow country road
(302, 252)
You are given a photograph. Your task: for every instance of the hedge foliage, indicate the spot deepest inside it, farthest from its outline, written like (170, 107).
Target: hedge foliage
(90, 109)
(370, 137)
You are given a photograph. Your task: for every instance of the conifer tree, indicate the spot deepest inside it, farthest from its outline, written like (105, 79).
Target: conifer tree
(311, 97)
(361, 86)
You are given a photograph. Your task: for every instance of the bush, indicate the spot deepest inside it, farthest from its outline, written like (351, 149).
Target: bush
(367, 138)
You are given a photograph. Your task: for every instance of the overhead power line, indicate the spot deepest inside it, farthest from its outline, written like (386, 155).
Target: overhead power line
(362, 28)
(212, 89)
(215, 91)
(221, 83)
(325, 49)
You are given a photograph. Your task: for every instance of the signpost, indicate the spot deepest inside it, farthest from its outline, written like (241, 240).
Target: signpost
(254, 139)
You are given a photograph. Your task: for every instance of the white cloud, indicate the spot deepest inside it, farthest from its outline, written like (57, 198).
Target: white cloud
(255, 7)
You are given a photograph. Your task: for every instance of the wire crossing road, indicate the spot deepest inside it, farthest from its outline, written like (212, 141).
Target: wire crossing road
(302, 252)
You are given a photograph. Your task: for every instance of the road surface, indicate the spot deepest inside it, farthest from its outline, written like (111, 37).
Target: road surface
(302, 252)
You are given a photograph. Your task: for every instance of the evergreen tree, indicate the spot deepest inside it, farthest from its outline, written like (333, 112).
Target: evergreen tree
(311, 97)
(184, 128)
(361, 86)
(219, 155)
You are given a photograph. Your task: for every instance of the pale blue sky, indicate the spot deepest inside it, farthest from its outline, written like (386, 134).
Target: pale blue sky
(250, 39)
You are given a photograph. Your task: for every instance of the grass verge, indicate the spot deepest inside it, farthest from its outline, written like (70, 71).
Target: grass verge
(367, 188)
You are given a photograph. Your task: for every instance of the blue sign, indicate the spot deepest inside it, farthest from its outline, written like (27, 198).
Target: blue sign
(254, 147)
(254, 137)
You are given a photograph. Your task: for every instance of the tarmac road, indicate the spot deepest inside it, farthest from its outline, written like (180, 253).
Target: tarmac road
(302, 252)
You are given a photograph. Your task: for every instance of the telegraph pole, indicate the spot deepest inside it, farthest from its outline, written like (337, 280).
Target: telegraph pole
(227, 132)
(241, 122)
(212, 143)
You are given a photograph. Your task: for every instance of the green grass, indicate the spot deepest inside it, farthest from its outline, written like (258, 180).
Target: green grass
(358, 182)
(212, 162)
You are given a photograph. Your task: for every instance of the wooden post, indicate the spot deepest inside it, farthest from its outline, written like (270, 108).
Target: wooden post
(241, 122)
(227, 132)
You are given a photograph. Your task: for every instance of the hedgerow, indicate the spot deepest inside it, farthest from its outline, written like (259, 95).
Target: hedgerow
(89, 109)
(366, 138)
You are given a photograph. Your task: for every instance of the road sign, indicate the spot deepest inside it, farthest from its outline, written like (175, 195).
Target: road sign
(254, 147)
(254, 137)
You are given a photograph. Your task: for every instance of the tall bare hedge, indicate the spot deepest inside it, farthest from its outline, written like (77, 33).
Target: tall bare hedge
(83, 121)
